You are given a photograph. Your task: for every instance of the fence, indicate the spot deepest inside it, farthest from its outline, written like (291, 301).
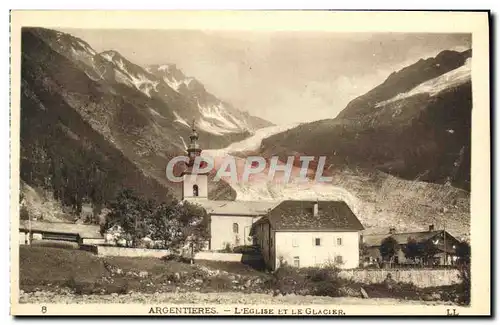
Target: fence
(104, 250)
(422, 278)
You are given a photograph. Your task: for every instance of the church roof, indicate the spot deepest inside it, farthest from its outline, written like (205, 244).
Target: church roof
(298, 216)
(241, 208)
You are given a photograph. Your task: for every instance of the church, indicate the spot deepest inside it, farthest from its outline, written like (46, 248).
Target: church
(299, 233)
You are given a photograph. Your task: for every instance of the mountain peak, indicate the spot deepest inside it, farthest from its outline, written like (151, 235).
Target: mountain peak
(406, 79)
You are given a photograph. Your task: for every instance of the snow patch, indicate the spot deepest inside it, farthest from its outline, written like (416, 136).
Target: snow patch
(179, 119)
(141, 82)
(86, 47)
(223, 118)
(121, 77)
(173, 83)
(108, 56)
(154, 112)
(210, 127)
(435, 86)
(164, 67)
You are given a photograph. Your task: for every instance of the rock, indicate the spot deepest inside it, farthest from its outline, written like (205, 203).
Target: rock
(177, 276)
(435, 296)
(143, 274)
(427, 297)
(21, 292)
(114, 294)
(389, 282)
(38, 293)
(118, 271)
(364, 294)
(248, 283)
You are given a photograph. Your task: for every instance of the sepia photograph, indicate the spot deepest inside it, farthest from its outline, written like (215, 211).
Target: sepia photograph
(210, 163)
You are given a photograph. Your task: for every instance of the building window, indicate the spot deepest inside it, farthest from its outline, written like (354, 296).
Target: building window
(338, 259)
(296, 261)
(195, 190)
(295, 242)
(235, 228)
(317, 241)
(339, 241)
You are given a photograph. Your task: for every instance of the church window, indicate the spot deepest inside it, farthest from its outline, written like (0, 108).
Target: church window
(195, 190)
(235, 228)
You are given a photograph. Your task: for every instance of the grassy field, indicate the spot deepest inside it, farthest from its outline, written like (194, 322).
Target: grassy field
(43, 268)
(57, 270)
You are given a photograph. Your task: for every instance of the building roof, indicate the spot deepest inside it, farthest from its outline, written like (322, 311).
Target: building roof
(241, 208)
(401, 238)
(298, 216)
(84, 231)
(418, 236)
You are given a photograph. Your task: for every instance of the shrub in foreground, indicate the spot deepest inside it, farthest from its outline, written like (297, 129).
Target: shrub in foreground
(308, 281)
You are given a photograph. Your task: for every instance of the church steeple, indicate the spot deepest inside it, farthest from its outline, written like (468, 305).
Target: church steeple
(194, 148)
(195, 183)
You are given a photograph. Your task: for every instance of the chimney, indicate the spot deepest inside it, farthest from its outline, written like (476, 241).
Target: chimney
(431, 227)
(315, 209)
(392, 230)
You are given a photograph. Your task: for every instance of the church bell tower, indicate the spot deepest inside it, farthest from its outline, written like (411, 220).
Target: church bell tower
(195, 184)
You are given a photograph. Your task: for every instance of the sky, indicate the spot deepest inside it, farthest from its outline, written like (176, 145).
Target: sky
(284, 77)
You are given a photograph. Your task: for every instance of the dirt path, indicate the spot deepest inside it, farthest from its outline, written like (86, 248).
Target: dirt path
(215, 298)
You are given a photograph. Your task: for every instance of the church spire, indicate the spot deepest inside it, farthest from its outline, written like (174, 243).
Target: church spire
(194, 149)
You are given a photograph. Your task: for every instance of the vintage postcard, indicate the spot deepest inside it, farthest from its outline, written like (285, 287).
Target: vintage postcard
(277, 163)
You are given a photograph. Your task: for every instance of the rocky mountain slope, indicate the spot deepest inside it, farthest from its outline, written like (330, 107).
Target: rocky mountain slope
(378, 199)
(415, 125)
(399, 155)
(103, 122)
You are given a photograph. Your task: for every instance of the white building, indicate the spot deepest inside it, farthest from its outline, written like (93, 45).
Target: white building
(309, 233)
(301, 233)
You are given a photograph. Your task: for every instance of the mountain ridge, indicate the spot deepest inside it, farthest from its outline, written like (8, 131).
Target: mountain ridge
(107, 109)
(422, 136)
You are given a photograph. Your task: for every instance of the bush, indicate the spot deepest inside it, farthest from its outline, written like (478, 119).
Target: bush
(318, 275)
(176, 258)
(325, 281)
(314, 281)
(227, 248)
(247, 249)
(288, 280)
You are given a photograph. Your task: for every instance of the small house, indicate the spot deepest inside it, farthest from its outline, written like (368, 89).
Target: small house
(309, 233)
(442, 242)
